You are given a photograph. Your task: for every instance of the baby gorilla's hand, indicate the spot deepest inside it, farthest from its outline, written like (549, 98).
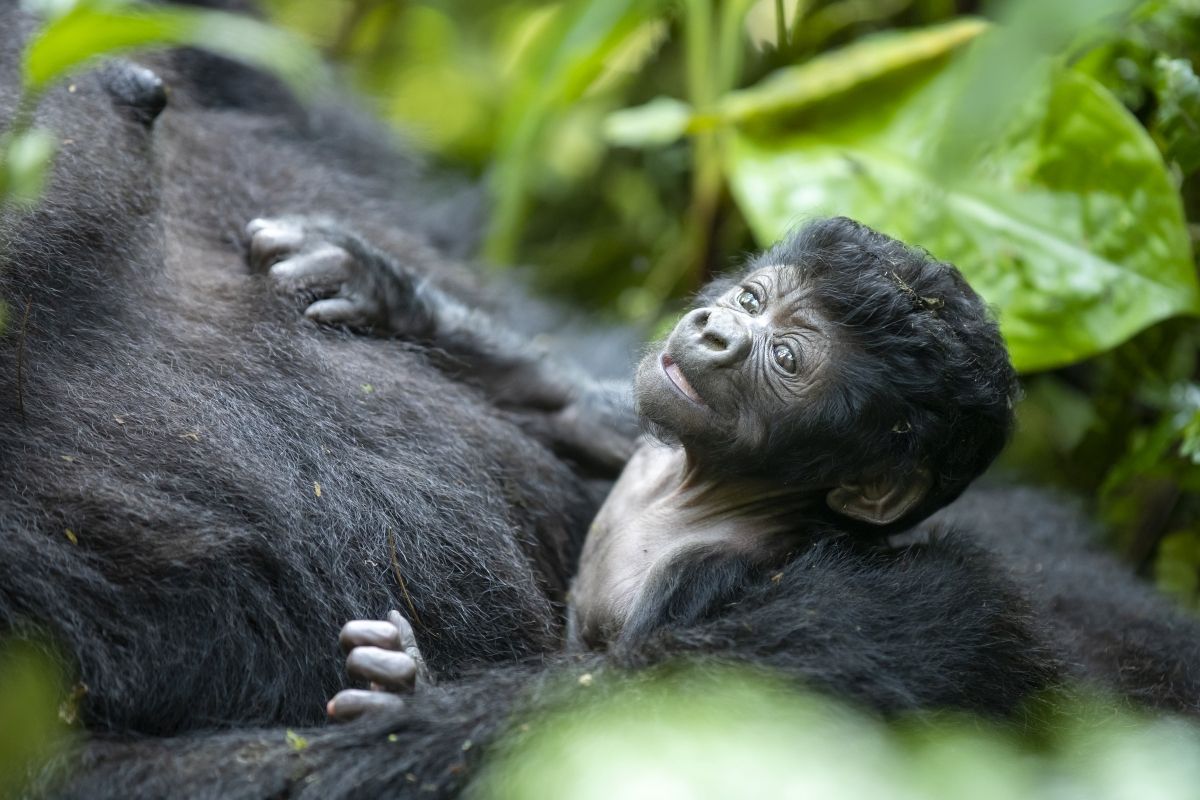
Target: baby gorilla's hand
(350, 282)
(383, 653)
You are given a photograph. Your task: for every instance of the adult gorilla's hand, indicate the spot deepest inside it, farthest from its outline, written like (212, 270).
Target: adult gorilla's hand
(383, 653)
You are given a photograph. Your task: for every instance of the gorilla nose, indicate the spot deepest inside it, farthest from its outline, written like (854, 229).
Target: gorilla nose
(721, 340)
(135, 90)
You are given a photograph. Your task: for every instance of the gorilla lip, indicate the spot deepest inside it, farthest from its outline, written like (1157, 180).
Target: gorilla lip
(675, 376)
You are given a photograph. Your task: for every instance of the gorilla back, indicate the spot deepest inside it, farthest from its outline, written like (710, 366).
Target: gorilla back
(197, 488)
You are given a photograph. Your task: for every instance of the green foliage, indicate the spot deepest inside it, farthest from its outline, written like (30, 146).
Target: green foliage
(32, 694)
(85, 30)
(728, 735)
(1176, 121)
(1069, 225)
(787, 91)
(24, 161)
(78, 32)
(569, 55)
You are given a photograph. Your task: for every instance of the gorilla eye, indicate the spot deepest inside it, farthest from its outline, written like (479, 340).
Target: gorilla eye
(785, 358)
(749, 301)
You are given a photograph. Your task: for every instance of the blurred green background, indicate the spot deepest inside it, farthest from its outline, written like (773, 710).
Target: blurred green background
(632, 148)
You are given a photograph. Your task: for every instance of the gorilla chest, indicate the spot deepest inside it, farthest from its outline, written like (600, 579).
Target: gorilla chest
(653, 517)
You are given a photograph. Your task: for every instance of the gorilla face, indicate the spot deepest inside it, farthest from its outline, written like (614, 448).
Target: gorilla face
(740, 366)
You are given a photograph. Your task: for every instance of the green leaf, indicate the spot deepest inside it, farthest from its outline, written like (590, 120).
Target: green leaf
(92, 29)
(659, 122)
(825, 76)
(792, 89)
(1176, 122)
(24, 164)
(1069, 224)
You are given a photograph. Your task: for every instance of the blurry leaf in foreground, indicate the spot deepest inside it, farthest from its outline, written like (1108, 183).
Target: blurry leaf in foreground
(1177, 566)
(726, 735)
(1069, 224)
(95, 28)
(23, 165)
(675, 739)
(31, 687)
(1176, 122)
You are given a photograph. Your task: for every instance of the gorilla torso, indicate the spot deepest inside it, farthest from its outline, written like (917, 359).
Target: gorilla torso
(238, 483)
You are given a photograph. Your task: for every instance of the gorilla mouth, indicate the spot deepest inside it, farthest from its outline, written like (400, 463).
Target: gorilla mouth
(675, 376)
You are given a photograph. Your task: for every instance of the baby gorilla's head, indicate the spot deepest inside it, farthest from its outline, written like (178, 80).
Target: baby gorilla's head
(840, 361)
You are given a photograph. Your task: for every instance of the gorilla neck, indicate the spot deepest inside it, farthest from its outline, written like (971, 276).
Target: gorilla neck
(662, 507)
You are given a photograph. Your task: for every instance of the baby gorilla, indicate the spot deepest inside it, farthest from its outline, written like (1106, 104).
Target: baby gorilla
(844, 384)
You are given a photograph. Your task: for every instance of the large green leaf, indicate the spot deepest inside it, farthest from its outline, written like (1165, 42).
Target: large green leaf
(1069, 224)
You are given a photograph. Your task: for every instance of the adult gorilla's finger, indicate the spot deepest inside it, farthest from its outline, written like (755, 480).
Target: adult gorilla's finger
(369, 633)
(388, 669)
(350, 704)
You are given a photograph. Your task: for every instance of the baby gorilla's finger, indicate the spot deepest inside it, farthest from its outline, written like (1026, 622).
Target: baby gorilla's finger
(350, 704)
(371, 633)
(324, 269)
(389, 669)
(271, 240)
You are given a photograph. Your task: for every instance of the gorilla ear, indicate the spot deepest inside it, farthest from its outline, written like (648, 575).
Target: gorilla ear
(883, 500)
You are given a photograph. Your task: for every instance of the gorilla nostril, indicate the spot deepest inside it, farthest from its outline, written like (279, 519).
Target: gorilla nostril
(714, 340)
(135, 90)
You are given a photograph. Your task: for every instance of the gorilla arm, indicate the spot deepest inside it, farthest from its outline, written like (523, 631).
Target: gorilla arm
(348, 282)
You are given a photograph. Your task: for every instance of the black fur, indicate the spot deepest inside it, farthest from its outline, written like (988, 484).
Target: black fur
(161, 405)
(920, 374)
(175, 416)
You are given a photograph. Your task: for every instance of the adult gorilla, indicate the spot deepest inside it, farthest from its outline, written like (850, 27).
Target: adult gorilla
(237, 483)
(197, 487)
